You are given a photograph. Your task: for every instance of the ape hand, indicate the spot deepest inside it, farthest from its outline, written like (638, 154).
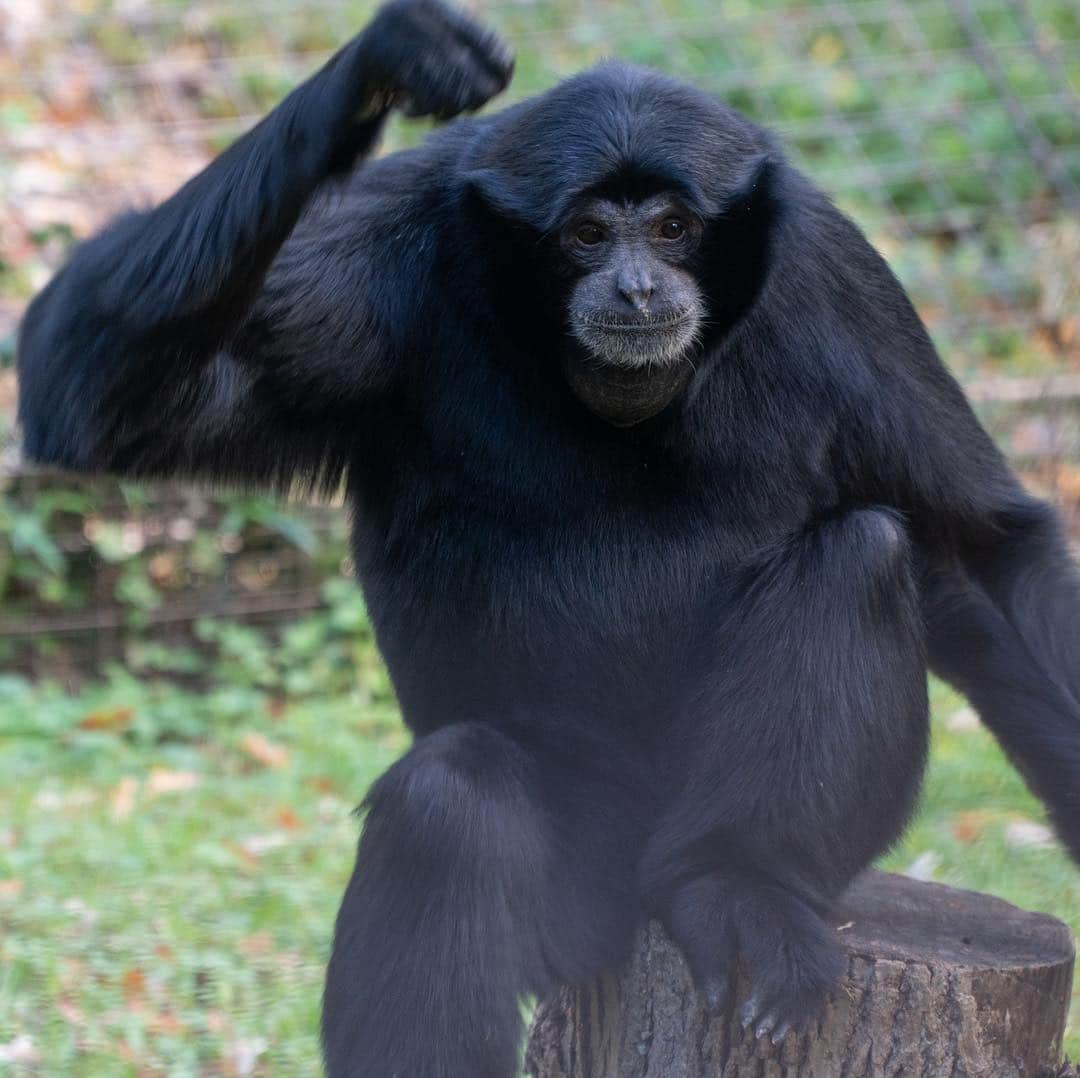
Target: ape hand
(430, 59)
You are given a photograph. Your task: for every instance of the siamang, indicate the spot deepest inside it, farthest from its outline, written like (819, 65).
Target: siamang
(663, 503)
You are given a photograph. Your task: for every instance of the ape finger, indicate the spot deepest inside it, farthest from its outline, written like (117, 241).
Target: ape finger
(447, 85)
(488, 50)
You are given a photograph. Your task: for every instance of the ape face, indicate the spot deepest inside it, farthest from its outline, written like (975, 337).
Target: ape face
(634, 303)
(634, 307)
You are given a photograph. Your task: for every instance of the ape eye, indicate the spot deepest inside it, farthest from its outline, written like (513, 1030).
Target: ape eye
(673, 229)
(589, 234)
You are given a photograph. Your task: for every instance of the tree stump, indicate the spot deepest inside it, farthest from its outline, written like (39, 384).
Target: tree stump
(940, 982)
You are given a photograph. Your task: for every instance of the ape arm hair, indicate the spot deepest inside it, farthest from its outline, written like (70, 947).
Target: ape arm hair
(162, 347)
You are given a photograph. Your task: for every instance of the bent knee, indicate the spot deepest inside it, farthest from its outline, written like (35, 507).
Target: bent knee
(872, 538)
(464, 785)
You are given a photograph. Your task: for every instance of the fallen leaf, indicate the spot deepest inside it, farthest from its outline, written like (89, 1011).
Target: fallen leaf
(257, 845)
(245, 1054)
(216, 1022)
(288, 819)
(264, 751)
(163, 781)
(70, 1012)
(123, 797)
(133, 983)
(56, 800)
(19, 1050)
(962, 720)
(11, 888)
(107, 719)
(167, 1023)
(924, 866)
(1029, 833)
(969, 826)
(249, 861)
(257, 945)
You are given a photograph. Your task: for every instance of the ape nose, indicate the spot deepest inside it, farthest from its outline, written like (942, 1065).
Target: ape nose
(637, 294)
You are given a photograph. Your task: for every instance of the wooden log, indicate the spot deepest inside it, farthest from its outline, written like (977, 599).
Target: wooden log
(940, 982)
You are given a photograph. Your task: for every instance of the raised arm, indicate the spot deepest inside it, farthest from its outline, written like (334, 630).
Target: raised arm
(163, 347)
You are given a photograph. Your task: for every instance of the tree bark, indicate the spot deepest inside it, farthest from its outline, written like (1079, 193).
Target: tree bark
(940, 982)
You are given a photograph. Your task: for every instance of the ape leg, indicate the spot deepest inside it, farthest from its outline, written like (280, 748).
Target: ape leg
(459, 904)
(802, 763)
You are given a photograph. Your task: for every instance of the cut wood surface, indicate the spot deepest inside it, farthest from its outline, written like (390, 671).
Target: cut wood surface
(940, 982)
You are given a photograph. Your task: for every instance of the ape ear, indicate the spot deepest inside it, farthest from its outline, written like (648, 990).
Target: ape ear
(491, 192)
(516, 204)
(755, 190)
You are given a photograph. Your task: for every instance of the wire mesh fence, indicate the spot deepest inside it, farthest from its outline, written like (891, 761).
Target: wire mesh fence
(950, 130)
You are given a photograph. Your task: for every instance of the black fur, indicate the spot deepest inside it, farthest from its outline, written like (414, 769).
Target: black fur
(677, 668)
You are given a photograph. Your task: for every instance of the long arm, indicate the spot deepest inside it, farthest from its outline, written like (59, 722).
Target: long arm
(1003, 618)
(1001, 593)
(163, 346)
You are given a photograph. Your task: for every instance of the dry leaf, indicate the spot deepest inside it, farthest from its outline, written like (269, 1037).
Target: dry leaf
(123, 798)
(216, 1022)
(264, 751)
(257, 845)
(249, 861)
(1029, 833)
(257, 945)
(167, 1023)
(245, 1053)
(924, 866)
(133, 984)
(11, 888)
(19, 1050)
(962, 720)
(109, 719)
(969, 826)
(70, 1012)
(163, 781)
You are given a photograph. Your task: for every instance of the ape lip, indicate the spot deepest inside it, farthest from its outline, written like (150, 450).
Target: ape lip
(637, 325)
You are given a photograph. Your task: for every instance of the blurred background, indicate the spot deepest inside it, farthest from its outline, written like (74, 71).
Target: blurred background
(190, 699)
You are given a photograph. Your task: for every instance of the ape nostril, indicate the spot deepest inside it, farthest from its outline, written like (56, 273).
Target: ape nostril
(638, 298)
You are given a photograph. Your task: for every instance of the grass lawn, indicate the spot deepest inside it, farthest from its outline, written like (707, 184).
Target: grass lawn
(170, 866)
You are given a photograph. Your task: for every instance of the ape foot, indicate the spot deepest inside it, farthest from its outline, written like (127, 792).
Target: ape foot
(791, 957)
(699, 919)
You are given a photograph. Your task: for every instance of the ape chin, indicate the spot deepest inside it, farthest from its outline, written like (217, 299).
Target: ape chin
(677, 670)
(625, 396)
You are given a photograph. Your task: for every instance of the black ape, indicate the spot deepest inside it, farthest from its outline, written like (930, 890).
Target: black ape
(661, 493)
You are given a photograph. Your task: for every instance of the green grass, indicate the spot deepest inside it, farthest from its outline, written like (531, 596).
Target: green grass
(166, 901)
(169, 903)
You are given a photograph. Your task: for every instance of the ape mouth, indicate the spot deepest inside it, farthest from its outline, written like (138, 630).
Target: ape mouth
(635, 341)
(642, 323)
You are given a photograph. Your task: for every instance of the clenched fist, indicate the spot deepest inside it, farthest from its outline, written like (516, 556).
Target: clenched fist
(431, 59)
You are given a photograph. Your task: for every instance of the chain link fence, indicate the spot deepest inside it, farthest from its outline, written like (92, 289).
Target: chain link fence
(950, 130)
